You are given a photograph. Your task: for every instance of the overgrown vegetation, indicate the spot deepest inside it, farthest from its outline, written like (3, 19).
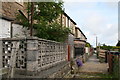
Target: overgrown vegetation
(115, 67)
(52, 32)
(106, 47)
(87, 45)
(45, 20)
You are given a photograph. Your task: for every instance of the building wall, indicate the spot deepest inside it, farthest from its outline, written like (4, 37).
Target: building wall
(66, 22)
(4, 28)
(83, 38)
(19, 31)
(10, 9)
(72, 27)
(79, 34)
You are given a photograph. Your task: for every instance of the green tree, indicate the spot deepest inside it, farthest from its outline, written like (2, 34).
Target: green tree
(87, 45)
(45, 20)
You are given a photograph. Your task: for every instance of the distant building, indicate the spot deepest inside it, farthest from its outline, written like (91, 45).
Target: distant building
(76, 39)
(66, 21)
(79, 42)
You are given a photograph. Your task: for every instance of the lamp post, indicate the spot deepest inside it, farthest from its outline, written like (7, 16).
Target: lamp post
(96, 40)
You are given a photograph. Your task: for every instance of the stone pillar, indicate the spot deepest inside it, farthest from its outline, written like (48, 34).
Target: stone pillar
(32, 52)
(71, 44)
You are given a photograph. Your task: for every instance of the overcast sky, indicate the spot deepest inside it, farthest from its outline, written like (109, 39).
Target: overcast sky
(95, 18)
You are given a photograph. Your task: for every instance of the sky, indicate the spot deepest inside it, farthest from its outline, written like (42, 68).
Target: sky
(95, 18)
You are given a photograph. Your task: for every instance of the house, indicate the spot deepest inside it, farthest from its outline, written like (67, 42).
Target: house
(76, 39)
(66, 21)
(79, 42)
(9, 27)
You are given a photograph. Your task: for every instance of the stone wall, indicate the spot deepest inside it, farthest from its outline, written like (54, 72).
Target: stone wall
(61, 72)
(29, 56)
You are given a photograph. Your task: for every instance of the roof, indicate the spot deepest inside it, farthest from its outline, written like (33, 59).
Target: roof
(69, 17)
(78, 39)
(80, 31)
(6, 18)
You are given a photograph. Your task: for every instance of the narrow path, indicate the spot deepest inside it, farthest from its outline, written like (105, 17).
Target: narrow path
(91, 69)
(93, 65)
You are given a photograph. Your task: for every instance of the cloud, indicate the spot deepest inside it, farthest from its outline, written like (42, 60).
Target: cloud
(90, 38)
(109, 26)
(96, 18)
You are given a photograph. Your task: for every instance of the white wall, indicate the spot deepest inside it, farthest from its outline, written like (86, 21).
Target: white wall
(19, 31)
(4, 28)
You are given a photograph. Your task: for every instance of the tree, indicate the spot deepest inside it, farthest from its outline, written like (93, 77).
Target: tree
(45, 20)
(87, 45)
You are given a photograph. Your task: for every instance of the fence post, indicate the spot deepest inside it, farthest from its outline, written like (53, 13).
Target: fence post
(119, 66)
(1, 58)
(110, 63)
(32, 51)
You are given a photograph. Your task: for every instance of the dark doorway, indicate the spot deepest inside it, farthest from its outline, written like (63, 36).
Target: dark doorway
(79, 51)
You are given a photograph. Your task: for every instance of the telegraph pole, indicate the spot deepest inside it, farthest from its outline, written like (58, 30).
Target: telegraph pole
(31, 20)
(96, 41)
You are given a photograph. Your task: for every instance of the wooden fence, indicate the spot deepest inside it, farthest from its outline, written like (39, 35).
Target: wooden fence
(113, 59)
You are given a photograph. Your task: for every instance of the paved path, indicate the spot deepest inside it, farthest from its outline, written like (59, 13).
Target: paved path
(91, 69)
(93, 65)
